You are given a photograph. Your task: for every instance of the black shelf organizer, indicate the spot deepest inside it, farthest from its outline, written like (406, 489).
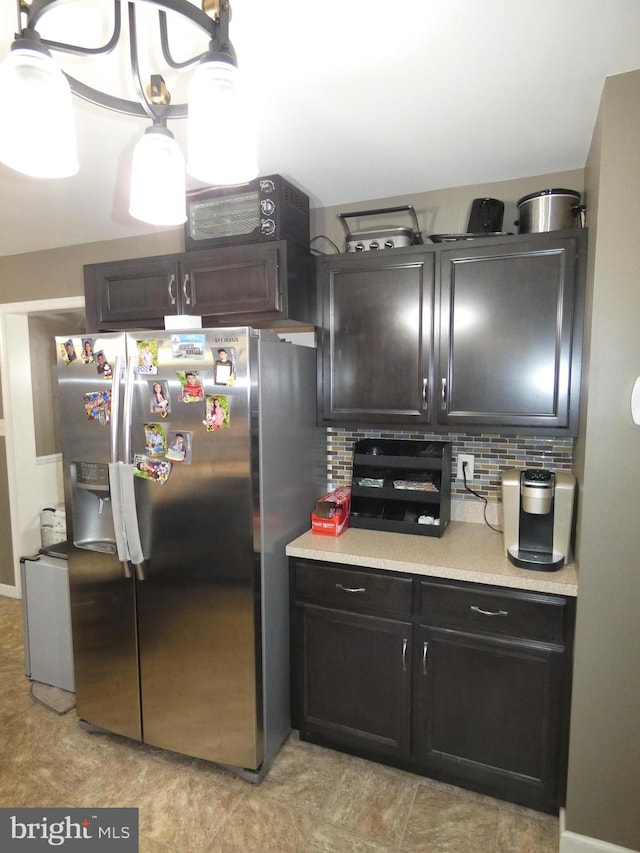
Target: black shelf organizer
(395, 482)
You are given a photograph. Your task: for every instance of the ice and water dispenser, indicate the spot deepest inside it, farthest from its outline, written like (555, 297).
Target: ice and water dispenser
(91, 507)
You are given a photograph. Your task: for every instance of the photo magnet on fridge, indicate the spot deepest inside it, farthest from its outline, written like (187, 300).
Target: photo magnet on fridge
(179, 447)
(155, 439)
(217, 414)
(223, 366)
(192, 390)
(147, 356)
(97, 406)
(68, 351)
(86, 353)
(156, 470)
(102, 365)
(159, 398)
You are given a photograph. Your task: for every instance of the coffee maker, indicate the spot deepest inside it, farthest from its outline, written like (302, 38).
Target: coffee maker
(537, 508)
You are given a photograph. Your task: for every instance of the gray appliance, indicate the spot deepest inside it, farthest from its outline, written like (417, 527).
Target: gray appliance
(46, 614)
(190, 460)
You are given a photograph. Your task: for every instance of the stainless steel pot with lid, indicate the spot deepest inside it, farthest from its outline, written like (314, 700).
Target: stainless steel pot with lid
(550, 210)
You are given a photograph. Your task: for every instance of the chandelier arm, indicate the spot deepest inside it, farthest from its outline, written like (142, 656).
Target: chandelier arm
(120, 105)
(166, 51)
(38, 10)
(156, 116)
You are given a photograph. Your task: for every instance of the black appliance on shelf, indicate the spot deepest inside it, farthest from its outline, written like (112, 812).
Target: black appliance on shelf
(263, 210)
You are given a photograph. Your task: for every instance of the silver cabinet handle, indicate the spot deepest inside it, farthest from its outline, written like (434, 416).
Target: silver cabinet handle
(351, 588)
(488, 612)
(172, 297)
(443, 394)
(425, 649)
(405, 642)
(425, 394)
(187, 292)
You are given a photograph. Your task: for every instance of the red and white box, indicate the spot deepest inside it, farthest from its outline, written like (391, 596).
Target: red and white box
(330, 515)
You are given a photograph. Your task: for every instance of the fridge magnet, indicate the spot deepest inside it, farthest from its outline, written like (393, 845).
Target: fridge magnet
(223, 366)
(192, 390)
(87, 351)
(156, 470)
(159, 400)
(188, 346)
(179, 447)
(102, 365)
(147, 356)
(68, 351)
(216, 412)
(155, 440)
(97, 406)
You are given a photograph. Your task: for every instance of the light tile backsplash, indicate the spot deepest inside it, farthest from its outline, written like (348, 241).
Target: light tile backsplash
(492, 454)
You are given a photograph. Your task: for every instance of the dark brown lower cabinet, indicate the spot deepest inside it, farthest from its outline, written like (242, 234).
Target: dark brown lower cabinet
(467, 683)
(356, 679)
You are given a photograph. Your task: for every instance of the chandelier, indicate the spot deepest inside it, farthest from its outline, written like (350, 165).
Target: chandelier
(38, 134)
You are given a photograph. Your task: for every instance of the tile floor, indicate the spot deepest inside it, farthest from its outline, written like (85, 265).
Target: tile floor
(312, 800)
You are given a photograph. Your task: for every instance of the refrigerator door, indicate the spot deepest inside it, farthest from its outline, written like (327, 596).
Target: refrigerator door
(193, 446)
(102, 591)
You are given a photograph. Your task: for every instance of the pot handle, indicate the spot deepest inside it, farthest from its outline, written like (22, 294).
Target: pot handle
(578, 211)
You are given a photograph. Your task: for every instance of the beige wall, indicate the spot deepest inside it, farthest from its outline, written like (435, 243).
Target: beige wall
(604, 762)
(58, 272)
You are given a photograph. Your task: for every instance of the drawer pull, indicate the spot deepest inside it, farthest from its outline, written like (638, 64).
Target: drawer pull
(488, 612)
(425, 649)
(404, 653)
(351, 588)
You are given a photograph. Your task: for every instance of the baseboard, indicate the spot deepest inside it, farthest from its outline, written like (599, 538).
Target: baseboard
(571, 842)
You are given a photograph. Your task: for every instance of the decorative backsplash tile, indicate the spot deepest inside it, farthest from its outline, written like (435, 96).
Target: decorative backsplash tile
(492, 453)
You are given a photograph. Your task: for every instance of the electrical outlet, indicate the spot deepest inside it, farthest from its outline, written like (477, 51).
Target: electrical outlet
(468, 458)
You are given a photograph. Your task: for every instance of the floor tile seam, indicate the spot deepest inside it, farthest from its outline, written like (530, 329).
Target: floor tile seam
(525, 812)
(408, 816)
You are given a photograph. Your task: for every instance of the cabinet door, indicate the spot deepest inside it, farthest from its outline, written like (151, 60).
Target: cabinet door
(235, 281)
(510, 345)
(353, 676)
(139, 292)
(377, 337)
(489, 714)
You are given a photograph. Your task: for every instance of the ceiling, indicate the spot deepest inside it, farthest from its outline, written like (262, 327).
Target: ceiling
(357, 100)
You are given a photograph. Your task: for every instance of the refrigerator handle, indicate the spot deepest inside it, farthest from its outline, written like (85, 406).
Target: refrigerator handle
(131, 527)
(115, 486)
(115, 410)
(129, 381)
(125, 518)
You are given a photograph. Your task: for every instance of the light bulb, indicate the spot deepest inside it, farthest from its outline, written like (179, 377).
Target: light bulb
(158, 192)
(38, 128)
(221, 135)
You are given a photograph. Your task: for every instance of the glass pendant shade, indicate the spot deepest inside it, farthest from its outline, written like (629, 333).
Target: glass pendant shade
(158, 192)
(38, 129)
(220, 131)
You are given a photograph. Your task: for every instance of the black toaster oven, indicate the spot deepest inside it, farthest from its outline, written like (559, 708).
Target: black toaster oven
(265, 209)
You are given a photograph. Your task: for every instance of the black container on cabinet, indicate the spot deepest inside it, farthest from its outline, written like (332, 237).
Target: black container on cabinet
(396, 482)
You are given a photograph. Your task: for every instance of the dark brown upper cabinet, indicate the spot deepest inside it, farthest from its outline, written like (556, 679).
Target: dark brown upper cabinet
(262, 285)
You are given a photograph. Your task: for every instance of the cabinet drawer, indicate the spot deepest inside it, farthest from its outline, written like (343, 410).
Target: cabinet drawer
(349, 589)
(498, 611)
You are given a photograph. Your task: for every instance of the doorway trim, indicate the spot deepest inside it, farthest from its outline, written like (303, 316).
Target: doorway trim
(24, 468)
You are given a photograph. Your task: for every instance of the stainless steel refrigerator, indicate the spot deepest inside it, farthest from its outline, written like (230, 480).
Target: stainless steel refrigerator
(190, 459)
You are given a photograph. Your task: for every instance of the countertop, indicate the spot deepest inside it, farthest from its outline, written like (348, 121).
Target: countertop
(466, 551)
